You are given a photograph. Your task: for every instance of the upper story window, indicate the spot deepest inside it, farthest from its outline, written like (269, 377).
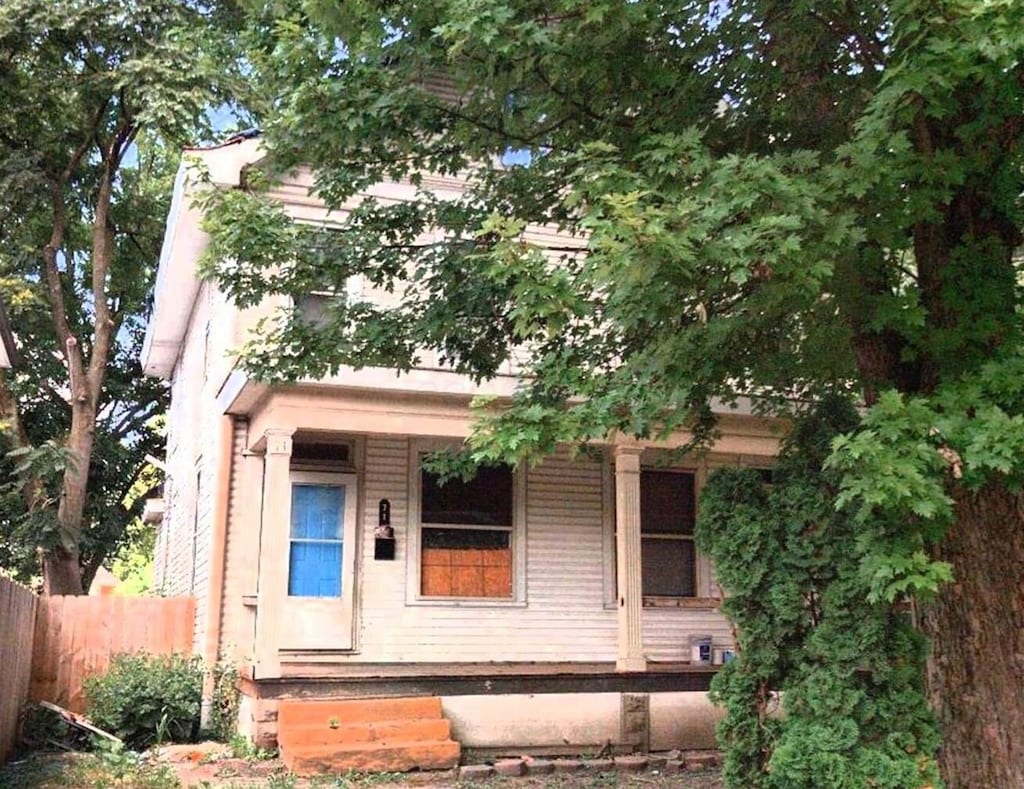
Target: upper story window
(668, 507)
(315, 307)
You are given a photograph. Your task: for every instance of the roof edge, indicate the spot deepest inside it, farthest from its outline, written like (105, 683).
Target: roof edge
(177, 282)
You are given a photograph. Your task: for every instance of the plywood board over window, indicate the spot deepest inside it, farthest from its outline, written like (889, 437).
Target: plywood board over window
(466, 535)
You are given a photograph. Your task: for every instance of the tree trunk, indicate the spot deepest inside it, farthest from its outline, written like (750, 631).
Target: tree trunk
(976, 626)
(61, 571)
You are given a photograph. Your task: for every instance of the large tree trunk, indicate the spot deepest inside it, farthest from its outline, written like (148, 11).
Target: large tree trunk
(976, 626)
(61, 571)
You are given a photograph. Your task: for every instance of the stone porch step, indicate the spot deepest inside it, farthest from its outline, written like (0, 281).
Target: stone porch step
(410, 730)
(294, 712)
(387, 734)
(372, 756)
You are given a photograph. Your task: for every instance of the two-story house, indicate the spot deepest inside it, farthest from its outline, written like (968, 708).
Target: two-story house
(550, 607)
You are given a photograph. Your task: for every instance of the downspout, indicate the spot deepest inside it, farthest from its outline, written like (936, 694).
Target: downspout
(215, 590)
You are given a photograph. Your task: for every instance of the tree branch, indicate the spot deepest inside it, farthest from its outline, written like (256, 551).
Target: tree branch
(102, 249)
(69, 345)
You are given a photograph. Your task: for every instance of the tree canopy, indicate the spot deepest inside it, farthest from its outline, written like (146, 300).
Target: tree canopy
(100, 97)
(774, 199)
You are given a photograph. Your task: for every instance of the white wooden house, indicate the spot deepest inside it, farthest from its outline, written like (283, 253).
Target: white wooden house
(549, 607)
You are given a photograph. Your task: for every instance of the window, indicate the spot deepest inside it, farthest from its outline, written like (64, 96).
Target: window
(667, 514)
(315, 545)
(315, 308)
(466, 536)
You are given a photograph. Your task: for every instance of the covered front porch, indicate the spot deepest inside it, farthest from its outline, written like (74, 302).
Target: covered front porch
(573, 607)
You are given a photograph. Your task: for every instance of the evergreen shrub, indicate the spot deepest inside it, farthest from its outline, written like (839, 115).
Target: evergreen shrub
(826, 690)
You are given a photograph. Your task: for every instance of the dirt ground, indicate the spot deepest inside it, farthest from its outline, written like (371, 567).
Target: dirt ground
(128, 771)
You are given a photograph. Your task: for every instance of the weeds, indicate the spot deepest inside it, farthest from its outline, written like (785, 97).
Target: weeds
(113, 768)
(243, 748)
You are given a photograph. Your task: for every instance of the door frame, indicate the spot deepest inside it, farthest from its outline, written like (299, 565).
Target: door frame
(323, 615)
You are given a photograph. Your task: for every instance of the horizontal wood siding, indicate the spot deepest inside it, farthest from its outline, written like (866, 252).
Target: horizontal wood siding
(76, 636)
(17, 631)
(241, 552)
(203, 539)
(564, 617)
(381, 612)
(667, 631)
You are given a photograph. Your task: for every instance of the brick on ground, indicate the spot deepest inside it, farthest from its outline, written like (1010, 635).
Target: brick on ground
(475, 772)
(631, 764)
(510, 767)
(598, 765)
(539, 767)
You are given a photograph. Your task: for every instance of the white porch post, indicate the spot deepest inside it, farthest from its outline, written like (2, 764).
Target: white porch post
(273, 560)
(627, 553)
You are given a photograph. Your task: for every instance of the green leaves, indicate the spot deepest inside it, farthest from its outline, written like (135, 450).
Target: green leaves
(770, 200)
(899, 468)
(146, 699)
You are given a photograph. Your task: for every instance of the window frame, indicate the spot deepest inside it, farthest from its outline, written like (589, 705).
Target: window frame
(353, 293)
(704, 583)
(673, 537)
(517, 537)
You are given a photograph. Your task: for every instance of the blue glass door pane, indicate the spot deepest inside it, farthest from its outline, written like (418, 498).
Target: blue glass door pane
(317, 511)
(314, 562)
(314, 569)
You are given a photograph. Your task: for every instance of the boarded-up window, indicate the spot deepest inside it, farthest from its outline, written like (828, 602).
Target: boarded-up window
(466, 537)
(667, 516)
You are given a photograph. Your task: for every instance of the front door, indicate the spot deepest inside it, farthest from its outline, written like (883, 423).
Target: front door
(317, 612)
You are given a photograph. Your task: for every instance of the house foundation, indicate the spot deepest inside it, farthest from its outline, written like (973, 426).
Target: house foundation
(507, 713)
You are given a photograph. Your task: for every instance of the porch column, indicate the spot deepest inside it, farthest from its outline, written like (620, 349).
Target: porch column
(272, 587)
(627, 553)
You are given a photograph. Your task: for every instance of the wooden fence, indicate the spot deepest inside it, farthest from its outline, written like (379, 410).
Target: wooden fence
(75, 637)
(17, 626)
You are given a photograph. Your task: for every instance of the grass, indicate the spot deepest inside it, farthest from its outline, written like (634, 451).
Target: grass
(87, 771)
(128, 770)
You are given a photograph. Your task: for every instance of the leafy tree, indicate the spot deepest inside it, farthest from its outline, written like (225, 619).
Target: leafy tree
(775, 198)
(98, 92)
(125, 433)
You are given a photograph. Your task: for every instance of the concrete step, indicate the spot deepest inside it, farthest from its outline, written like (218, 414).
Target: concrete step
(372, 756)
(343, 711)
(409, 730)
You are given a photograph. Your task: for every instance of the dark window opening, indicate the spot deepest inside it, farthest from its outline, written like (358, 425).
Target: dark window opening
(484, 500)
(466, 535)
(668, 508)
